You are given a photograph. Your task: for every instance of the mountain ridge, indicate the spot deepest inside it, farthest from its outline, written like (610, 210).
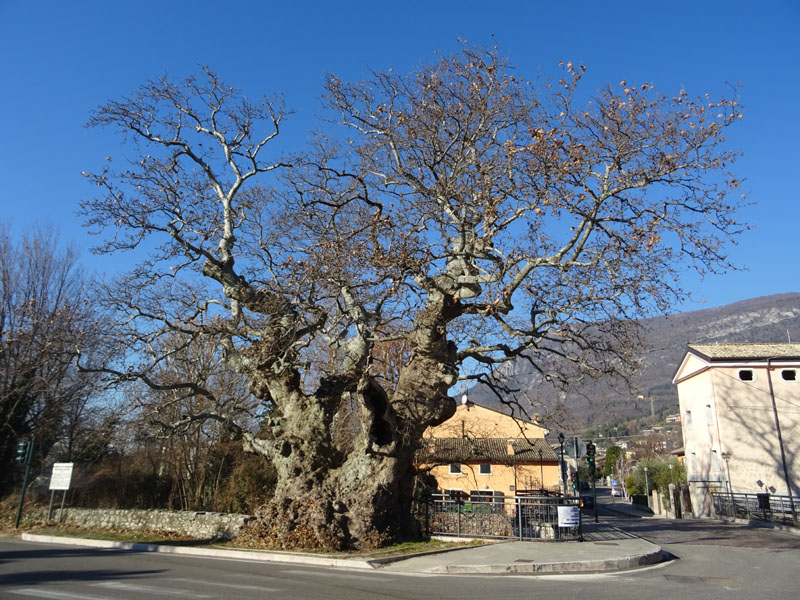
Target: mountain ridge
(773, 318)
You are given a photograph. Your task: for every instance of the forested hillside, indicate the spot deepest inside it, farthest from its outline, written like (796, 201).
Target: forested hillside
(773, 318)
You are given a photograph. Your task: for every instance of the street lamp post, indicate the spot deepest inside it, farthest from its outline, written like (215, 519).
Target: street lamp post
(561, 464)
(646, 487)
(672, 502)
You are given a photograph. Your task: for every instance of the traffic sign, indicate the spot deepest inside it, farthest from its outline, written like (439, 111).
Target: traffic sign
(575, 451)
(61, 477)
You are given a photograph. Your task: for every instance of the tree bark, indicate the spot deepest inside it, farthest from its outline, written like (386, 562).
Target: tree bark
(325, 498)
(361, 498)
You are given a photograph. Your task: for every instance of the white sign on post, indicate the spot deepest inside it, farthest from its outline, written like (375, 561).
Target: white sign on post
(569, 516)
(61, 477)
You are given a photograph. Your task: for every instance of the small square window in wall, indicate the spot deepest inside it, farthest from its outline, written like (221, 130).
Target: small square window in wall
(485, 469)
(789, 375)
(455, 468)
(747, 375)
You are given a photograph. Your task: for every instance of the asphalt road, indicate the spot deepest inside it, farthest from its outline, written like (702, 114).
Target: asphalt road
(713, 561)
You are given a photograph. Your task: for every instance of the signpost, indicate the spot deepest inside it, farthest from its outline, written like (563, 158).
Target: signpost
(569, 516)
(59, 480)
(575, 448)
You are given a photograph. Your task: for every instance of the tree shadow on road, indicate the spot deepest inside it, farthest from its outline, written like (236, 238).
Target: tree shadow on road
(708, 532)
(44, 577)
(65, 552)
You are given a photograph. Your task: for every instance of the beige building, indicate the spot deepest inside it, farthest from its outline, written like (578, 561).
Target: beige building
(740, 414)
(483, 452)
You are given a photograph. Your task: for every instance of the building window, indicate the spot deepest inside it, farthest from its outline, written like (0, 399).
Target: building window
(485, 469)
(688, 419)
(789, 375)
(709, 415)
(747, 375)
(714, 462)
(455, 468)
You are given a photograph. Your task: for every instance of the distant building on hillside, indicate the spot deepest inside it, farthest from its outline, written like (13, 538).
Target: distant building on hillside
(741, 419)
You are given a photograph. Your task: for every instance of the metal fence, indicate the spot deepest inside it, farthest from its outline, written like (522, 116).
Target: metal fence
(503, 517)
(757, 507)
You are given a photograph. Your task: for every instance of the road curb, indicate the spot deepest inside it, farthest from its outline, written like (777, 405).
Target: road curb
(254, 555)
(584, 566)
(519, 567)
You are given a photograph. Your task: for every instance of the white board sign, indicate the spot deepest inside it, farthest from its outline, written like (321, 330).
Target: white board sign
(569, 516)
(61, 477)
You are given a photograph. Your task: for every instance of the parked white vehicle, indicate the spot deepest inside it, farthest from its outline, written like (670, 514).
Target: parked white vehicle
(615, 491)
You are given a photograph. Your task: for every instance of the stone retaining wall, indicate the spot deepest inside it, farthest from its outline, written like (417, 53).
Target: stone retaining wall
(201, 525)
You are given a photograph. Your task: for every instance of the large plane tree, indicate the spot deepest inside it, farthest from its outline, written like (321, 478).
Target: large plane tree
(459, 217)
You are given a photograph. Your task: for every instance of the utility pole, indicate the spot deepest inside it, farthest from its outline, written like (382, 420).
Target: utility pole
(561, 465)
(577, 485)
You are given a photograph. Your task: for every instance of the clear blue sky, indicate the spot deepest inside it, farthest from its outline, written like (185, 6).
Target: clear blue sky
(59, 59)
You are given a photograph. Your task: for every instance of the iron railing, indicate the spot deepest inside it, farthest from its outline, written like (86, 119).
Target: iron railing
(502, 517)
(757, 507)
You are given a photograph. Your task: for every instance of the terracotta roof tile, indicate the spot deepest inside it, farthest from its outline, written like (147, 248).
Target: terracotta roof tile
(495, 450)
(746, 351)
(530, 448)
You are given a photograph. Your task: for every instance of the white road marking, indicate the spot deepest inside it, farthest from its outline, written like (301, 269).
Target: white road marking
(53, 595)
(329, 575)
(410, 574)
(133, 587)
(237, 586)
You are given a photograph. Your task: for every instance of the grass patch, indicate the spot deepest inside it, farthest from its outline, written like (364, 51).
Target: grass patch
(399, 549)
(421, 547)
(122, 535)
(174, 539)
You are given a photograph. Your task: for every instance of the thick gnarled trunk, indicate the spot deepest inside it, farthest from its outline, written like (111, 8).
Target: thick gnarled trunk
(327, 497)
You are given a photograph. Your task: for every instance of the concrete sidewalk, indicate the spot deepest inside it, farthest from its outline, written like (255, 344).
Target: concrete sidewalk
(606, 548)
